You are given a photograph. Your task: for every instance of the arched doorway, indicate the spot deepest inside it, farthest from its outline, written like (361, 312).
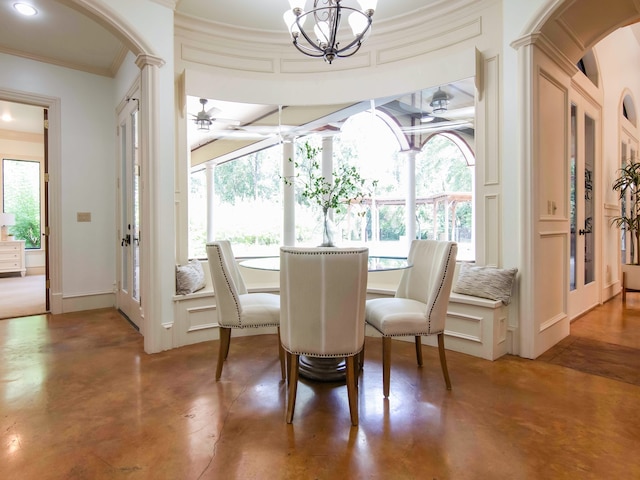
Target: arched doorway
(549, 52)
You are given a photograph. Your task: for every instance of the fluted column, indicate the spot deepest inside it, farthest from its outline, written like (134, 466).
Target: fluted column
(327, 162)
(288, 194)
(156, 227)
(410, 196)
(211, 196)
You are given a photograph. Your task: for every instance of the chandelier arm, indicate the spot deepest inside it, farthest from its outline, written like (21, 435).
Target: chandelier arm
(318, 53)
(357, 40)
(339, 53)
(334, 28)
(304, 48)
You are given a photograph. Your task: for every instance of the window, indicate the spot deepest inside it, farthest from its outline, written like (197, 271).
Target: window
(444, 184)
(21, 196)
(245, 202)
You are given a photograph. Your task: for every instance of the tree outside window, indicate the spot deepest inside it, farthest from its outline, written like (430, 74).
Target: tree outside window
(21, 196)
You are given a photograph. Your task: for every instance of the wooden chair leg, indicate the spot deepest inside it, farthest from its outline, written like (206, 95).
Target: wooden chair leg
(293, 386)
(419, 350)
(223, 350)
(443, 360)
(361, 358)
(386, 364)
(352, 388)
(288, 360)
(283, 368)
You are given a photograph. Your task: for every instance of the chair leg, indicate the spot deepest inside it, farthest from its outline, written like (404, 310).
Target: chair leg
(386, 364)
(293, 386)
(287, 357)
(443, 360)
(352, 388)
(283, 368)
(419, 350)
(223, 350)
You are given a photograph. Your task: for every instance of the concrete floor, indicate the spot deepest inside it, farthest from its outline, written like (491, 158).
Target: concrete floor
(79, 399)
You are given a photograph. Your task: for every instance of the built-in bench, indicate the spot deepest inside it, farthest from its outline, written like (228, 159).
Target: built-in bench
(475, 326)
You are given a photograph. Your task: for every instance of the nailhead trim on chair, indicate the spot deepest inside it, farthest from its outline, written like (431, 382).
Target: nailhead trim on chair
(439, 290)
(235, 299)
(318, 355)
(226, 279)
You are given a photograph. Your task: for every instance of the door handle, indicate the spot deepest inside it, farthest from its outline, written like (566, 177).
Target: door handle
(126, 240)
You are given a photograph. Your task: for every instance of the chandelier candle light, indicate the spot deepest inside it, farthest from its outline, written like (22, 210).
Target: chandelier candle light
(325, 17)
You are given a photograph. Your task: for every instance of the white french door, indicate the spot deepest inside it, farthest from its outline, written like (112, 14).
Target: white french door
(128, 288)
(584, 283)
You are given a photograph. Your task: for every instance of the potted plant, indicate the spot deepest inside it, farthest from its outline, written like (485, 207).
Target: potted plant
(347, 187)
(627, 184)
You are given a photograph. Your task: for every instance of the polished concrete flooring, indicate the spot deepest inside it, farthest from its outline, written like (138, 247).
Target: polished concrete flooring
(79, 399)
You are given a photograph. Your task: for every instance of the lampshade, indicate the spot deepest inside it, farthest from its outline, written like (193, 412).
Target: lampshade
(7, 219)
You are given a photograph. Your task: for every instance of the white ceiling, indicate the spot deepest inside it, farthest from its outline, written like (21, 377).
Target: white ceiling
(61, 35)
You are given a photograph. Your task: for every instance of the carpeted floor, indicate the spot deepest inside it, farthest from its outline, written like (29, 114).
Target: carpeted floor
(617, 362)
(21, 296)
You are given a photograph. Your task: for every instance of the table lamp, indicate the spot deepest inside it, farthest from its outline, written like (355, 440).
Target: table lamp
(6, 220)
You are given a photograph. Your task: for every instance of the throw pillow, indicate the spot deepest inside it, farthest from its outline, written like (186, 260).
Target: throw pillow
(485, 282)
(189, 277)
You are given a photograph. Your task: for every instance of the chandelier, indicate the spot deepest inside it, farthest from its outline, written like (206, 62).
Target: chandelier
(325, 18)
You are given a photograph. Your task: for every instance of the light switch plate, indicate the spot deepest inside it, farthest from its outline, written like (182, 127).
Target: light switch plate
(83, 216)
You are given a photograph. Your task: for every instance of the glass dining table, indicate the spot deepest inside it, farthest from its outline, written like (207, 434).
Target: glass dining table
(327, 369)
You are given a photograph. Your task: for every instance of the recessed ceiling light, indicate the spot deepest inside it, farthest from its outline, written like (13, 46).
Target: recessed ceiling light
(25, 9)
(6, 117)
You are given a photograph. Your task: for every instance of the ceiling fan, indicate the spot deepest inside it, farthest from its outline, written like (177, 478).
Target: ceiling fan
(205, 118)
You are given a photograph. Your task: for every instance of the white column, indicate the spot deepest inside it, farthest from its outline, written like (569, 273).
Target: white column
(447, 217)
(154, 221)
(211, 195)
(410, 195)
(288, 194)
(327, 162)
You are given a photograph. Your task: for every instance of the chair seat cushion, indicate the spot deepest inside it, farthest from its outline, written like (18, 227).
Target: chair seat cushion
(397, 316)
(259, 309)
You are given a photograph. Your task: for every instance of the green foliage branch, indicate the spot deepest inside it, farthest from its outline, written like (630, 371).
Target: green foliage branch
(347, 187)
(628, 182)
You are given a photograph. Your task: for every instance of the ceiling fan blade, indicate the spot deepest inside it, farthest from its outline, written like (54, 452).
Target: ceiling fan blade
(226, 121)
(463, 112)
(438, 126)
(213, 111)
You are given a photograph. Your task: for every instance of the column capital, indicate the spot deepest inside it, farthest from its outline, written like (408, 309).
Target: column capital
(144, 60)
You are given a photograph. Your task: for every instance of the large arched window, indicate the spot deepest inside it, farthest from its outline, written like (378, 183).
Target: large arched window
(444, 192)
(380, 139)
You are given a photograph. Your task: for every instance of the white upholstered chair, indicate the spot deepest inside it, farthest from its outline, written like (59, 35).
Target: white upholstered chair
(235, 306)
(420, 304)
(322, 300)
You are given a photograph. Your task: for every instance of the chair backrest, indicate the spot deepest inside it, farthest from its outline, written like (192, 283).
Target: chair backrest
(227, 282)
(322, 300)
(430, 278)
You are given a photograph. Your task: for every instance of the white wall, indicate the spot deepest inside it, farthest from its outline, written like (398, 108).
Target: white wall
(87, 168)
(618, 57)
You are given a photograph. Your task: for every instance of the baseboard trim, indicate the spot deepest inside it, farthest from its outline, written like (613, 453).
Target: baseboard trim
(88, 302)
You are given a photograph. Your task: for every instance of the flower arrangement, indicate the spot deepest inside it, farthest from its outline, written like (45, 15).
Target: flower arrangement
(347, 187)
